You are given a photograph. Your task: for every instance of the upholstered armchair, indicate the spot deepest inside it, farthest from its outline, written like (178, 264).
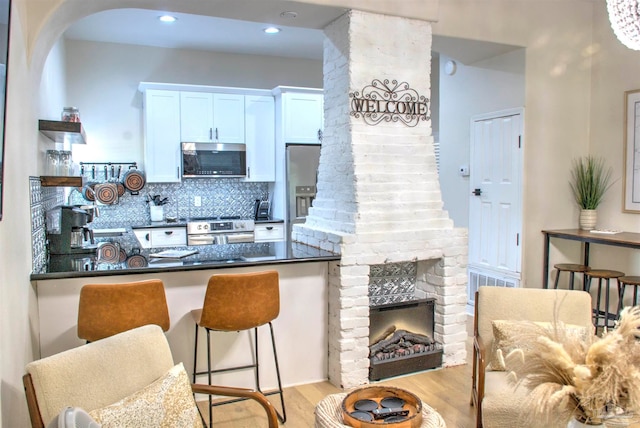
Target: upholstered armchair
(128, 379)
(498, 402)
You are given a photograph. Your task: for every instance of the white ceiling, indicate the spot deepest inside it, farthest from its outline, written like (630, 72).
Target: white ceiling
(301, 37)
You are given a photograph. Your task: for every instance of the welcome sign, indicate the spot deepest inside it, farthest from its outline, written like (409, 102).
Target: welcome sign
(389, 101)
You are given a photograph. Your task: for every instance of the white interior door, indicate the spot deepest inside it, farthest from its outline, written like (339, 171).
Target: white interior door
(495, 208)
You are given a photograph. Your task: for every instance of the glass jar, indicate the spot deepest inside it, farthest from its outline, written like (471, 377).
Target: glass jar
(64, 163)
(52, 162)
(70, 114)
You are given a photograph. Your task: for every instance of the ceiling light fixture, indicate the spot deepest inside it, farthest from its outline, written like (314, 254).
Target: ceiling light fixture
(272, 30)
(624, 16)
(167, 18)
(289, 14)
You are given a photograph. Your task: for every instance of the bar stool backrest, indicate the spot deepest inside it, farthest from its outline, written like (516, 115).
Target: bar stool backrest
(242, 301)
(108, 309)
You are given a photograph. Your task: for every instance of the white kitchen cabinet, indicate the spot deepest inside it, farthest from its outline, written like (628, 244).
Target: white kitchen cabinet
(158, 237)
(302, 115)
(269, 232)
(162, 136)
(259, 120)
(212, 117)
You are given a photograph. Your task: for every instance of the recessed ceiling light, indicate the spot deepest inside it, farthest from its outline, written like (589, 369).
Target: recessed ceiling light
(167, 18)
(272, 30)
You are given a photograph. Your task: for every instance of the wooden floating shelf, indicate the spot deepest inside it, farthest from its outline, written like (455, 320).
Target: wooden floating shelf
(61, 132)
(61, 181)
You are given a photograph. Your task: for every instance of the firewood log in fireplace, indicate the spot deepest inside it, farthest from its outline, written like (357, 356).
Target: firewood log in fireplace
(397, 337)
(388, 332)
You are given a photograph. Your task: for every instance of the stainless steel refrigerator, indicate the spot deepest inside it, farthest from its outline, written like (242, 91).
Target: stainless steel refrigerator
(302, 174)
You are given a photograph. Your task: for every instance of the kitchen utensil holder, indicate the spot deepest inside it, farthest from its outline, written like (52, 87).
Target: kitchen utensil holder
(156, 212)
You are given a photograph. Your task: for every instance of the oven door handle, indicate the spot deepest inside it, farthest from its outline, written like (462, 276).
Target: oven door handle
(200, 240)
(236, 238)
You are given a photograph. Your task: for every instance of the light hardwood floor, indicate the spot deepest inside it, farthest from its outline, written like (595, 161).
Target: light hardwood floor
(446, 390)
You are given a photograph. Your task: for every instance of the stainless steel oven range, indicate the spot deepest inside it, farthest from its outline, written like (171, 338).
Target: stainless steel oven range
(219, 231)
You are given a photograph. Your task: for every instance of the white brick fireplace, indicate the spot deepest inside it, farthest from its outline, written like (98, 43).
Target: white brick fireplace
(378, 194)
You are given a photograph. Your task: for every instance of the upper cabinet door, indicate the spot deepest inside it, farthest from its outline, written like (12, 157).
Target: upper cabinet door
(208, 117)
(196, 117)
(260, 137)
(162, 136)
(228, 118)
(303, 118)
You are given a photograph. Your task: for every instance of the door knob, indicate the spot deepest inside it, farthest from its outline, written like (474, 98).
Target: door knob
(477, 192)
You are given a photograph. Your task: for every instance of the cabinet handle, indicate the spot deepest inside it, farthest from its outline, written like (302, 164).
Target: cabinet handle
(216, 134)
(177, 172)
(269, 227)
(211, 133)
(249, 172)
(168, 232)
(320, 135)
(146, 236)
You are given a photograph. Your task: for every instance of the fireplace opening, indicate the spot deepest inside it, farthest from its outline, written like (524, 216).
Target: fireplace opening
(401, 338)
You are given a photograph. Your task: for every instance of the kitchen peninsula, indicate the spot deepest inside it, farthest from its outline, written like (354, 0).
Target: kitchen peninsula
(300, 329)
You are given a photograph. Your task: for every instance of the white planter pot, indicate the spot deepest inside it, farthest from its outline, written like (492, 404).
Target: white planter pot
(588, 219)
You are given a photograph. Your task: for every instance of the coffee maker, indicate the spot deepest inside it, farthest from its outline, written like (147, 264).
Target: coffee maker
(262, 209)
(67, 231)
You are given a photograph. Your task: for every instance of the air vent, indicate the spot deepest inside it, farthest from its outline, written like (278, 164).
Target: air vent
(479, 278)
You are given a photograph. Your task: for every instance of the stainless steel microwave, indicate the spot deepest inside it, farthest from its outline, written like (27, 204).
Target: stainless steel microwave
(201, 160)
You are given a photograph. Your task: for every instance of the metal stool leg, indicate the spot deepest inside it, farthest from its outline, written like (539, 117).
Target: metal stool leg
(555, 283)
(283, 418)
(195, 356)
(571, 279)
(606, 302)
(597, 310)
(209, 376)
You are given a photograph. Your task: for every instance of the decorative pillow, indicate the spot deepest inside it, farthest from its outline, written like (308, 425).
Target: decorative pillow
(505, 332)
(166, 403)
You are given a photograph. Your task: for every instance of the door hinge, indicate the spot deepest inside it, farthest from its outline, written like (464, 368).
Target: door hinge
(517, 239)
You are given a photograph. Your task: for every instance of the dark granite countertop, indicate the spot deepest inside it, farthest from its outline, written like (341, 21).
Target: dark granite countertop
(141, 262)
(183, 223)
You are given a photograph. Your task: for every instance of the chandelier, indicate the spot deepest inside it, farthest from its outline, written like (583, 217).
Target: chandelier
(625, 21)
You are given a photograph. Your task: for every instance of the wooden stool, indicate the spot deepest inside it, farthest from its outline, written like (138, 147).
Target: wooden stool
(601, 318)
(633, 281)
(572, 269)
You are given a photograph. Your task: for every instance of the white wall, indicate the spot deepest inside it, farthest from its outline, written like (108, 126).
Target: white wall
(487, 86)
(18, 307)
(615, 71)
(103, 78)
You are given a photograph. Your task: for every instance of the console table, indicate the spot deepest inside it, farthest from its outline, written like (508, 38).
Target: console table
(622, 239)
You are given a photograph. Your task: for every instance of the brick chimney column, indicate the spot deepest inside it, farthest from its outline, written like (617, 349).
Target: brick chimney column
(378, 193)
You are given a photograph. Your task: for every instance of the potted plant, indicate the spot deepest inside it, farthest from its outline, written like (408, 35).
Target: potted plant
(589, 182)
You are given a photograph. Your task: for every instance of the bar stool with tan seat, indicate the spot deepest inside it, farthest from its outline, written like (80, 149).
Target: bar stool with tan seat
(572, 269)
(633, 281)
(602, 317)
(236, 302)
(108, 309)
